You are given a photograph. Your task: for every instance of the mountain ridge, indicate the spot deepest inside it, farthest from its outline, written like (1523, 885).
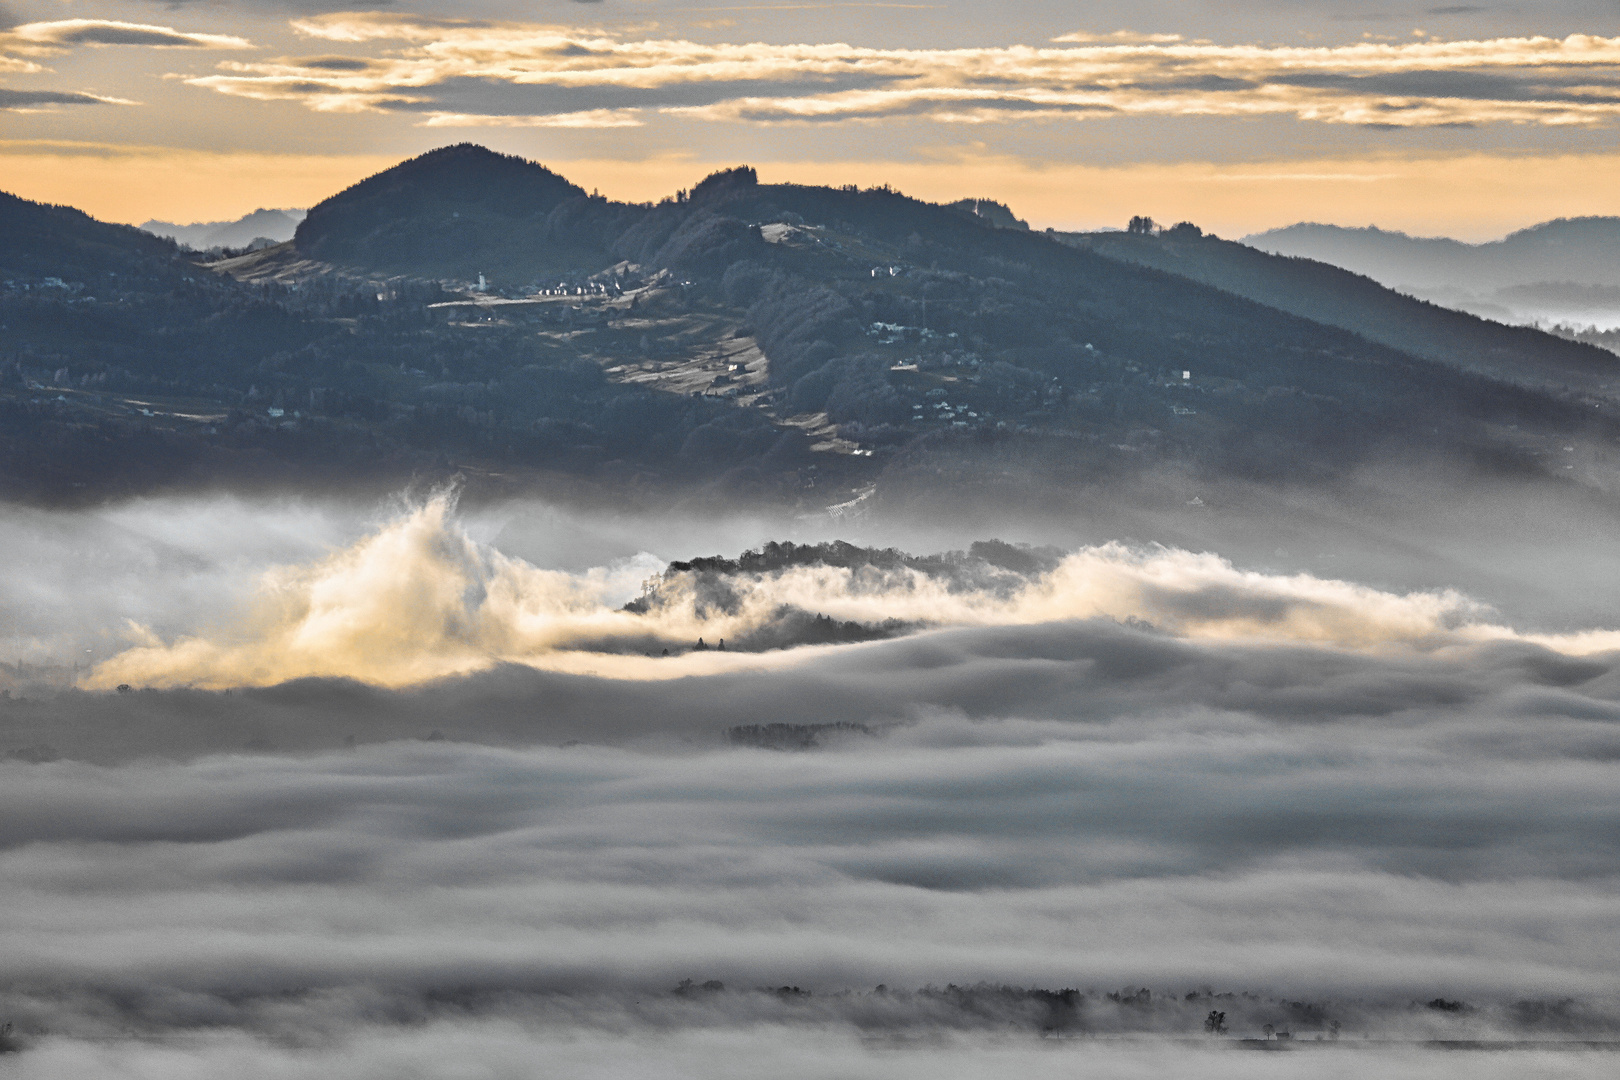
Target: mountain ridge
(1338, 297)
(1579, 250)
(276, 226)
(505, 200)
(806, 342)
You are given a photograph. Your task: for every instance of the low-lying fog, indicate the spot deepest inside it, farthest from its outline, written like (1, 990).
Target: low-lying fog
(1539, 552)
(302, 788)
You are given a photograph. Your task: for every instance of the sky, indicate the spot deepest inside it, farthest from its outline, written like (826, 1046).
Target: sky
(1467, 120)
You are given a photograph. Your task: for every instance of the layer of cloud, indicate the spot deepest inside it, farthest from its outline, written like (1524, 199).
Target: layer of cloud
(509, 1048)
(1335, 804)
(591, 77)
(420, 600)
(50, 38)
(30, 99)
(23, 47)
(1358, 865)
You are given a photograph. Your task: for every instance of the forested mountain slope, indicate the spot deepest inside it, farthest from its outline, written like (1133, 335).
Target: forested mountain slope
(1337, 297)
(797, 342)
(456, 211)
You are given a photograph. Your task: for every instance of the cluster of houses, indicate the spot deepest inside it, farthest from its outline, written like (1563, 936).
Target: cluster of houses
(939, 409)
(899, 333)
(71, 291)
(534, 291)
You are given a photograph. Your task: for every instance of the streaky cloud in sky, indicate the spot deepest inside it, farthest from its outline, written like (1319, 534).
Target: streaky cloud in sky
(50, 38)
(1423, 83)
(22, 99)
(24, 47)
(910, 93)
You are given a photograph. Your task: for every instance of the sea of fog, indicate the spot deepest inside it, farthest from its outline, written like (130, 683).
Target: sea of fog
(309, 788)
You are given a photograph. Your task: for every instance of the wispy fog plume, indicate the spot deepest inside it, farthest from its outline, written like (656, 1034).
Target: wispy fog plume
(419, 600)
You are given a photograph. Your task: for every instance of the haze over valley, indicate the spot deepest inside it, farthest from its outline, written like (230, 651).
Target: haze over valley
(1562, 274)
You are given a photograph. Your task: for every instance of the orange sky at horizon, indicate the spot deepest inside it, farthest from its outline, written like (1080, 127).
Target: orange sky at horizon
(1473, 122)
(1472, 197)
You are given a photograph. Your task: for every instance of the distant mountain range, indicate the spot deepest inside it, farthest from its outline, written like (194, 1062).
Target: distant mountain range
(472, 312)
(1351, 301)
(1563, 270)
(274, 226)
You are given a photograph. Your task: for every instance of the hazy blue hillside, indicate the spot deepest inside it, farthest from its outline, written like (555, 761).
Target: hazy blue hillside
(273, 225)
(1559, 272)
(1327, 294)
(1583, 251)
(1392, 258)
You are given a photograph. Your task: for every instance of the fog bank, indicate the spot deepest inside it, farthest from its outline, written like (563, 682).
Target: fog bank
(385, 799)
